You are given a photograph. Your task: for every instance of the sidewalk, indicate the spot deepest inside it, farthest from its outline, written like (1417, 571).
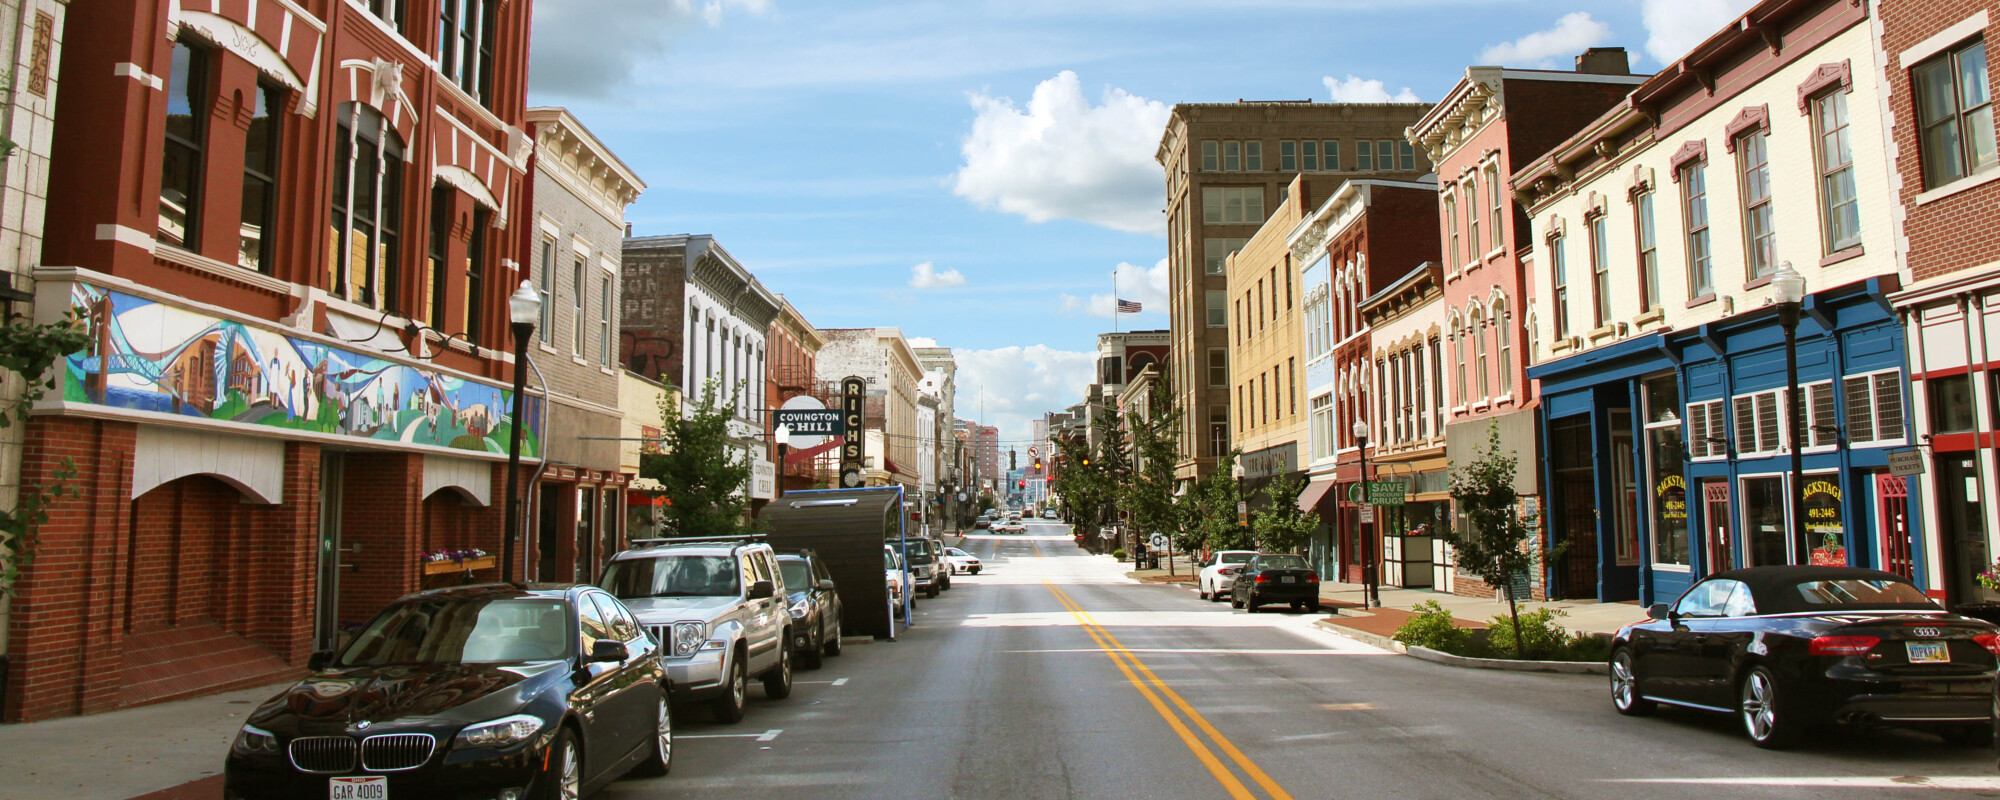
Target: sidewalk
(127, 754)
(1579, 616)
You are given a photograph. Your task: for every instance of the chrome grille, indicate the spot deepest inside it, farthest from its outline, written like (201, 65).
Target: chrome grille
(663, 634)
(390, 752)
(323, 754)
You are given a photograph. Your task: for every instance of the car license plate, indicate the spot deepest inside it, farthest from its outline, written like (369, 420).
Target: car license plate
(370, 787)
(1289, 579)
(1928, 652)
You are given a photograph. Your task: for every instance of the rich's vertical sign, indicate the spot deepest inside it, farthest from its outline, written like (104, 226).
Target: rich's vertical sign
(853, 412)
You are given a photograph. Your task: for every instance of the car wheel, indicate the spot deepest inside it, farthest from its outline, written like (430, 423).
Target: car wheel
(661, 760)
(1765, 716)
(563, 778)
(1234, 601)
(946, 584)
(778, 682)
(729, 707)
(1298, 606)
(812, 656)
(1201, 593)
(975, 570)
(1625, 686)
(1312, 606)
(832, 644)
(930, 591)
(1978, 734)
(1250, 603)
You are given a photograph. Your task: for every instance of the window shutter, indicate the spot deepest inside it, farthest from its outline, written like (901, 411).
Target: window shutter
(1860, 412)
(1746, 424)
(1889, 405)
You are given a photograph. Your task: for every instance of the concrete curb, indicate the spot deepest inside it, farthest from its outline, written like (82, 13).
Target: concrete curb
(1569, 667)
(1363, 637)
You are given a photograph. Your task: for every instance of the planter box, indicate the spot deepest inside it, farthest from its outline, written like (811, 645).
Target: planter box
(447, 567)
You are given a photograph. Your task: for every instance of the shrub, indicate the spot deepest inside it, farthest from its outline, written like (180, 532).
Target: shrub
(1588, 647)
(1541, 638)
(1432, 626)
(1118, 554)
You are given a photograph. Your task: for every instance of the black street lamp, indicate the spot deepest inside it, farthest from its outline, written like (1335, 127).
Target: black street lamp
(524, 309)
(784, 437)
(1371, 598)
(1791, 290)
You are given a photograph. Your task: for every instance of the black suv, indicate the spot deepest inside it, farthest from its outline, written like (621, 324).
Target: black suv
(815, 607)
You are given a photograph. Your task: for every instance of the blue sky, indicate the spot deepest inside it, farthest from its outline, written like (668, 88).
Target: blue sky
(972, 171)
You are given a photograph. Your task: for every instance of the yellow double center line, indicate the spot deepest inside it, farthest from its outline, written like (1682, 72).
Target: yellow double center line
(1161, 697)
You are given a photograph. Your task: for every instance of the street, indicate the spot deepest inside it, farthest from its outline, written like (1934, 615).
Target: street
(1050, 675)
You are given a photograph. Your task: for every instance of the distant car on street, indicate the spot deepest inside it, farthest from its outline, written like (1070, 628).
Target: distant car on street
(926, 574)
(982, 523)
(1275, 578)
(895, 579)
(1050, 514)
(815, 607)
(961, 562)
(1786, 648)
(719, 607)
(543, 690)
(1212, 582)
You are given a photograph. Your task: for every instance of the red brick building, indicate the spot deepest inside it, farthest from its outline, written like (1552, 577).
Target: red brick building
(1491, 124)
(292, 238)
(1944, 169)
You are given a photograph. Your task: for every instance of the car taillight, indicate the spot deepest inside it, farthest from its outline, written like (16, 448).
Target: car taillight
(1312, 577)
(1990, 641)
(1842, 645)
(1263, 578)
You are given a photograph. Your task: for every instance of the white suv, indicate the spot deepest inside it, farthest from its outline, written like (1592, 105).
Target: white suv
(718, 609)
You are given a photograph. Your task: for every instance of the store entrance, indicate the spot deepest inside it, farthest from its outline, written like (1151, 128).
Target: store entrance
(1961, 511)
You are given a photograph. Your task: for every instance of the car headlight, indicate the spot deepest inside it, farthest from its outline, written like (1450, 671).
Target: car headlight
(253, 740)
(687, 638)
(500, 732)
(799, 608)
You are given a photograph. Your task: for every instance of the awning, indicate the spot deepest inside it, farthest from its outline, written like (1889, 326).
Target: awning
(1309, 499)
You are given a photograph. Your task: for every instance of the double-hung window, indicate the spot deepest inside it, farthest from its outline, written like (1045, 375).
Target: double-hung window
(1874, 408)
(578, 306)
(260, 180)
(604, 321)
(1215, 252)
(1840, 212)
(1364, 155)
(1210, 160)
(1760, 235)
(1385, 155)
(1218, 308)
(1708, 431)
(188, 99)
(545, 285)
(1329, 155)
(475, 274)
(1694, 207)
(1600, 272)
(1288, 156)
(1821, 432)
(465, 45)
(1473, 249)
(394, 13)
(1406, 156)
(367, 209)
(1477, 330)
(1759, 426)
(1458, 356)
(1649, 251)
(1493, 198)
(1218, 366)
(1954, 114)
(435, 271)
(1232, 205)
(1504, 344)
(1559, 273)
(1309, 156)
(1232, 156)
(1451, 227)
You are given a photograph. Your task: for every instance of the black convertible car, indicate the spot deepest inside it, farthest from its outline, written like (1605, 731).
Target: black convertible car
(494, 692)
(1789, 647)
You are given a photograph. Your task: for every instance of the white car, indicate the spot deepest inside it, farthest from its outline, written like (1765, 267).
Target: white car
(1220, 568)
(894, 579)
(961, 562)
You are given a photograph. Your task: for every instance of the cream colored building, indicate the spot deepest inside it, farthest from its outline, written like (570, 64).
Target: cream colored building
(883, 358)
(639, 433)
(1266, 342)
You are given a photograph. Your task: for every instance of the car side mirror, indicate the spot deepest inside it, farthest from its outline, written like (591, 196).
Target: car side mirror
(318, 661)
(762, 589)
(1659, 611)
(604, 650)
(825, 584)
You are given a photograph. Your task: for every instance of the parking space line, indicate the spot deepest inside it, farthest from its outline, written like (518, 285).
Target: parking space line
(770, 734)
(762, 737)
(840, 682)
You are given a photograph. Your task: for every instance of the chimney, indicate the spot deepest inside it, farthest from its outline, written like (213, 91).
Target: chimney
(1604, 61)
(628, 230)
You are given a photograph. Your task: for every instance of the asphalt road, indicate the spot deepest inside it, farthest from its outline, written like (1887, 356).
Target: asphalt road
(1050, 675)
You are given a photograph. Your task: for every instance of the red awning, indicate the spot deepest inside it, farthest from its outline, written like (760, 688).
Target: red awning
(1309, 499)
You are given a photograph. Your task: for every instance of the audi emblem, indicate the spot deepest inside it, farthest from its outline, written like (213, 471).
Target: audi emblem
(1927, 633)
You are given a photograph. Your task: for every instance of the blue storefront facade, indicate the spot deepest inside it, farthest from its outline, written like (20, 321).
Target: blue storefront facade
(1668, 452)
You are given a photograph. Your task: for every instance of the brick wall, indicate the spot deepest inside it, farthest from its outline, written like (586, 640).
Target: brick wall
(652, 321)
(1953, 232)
(381, 512)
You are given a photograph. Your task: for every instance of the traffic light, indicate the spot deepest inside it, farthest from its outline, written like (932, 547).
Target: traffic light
(1038, 464)
(1024, 484)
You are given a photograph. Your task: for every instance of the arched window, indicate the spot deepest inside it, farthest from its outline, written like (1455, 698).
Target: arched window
(1503, 341)
(1476, 329)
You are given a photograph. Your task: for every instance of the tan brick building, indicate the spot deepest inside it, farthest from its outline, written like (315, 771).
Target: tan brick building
(1226, 164)
(1265, 342)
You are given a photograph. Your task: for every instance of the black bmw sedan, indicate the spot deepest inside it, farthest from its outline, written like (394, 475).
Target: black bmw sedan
(1789, 647)
(815, 607)
(490, 692)
(1269, 578)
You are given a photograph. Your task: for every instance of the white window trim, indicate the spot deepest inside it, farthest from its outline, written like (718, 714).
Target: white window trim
(1805, 398)
(1784, 423)
(1942, 41)
(1689, 411)
(1902, 432)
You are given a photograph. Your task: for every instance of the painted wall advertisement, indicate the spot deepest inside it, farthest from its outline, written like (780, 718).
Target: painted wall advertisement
(150, 356)
(1825, 530)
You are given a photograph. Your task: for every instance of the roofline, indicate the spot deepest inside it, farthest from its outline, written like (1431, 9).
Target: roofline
(561, 115)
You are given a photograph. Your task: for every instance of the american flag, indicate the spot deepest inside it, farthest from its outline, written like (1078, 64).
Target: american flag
(1128, 307)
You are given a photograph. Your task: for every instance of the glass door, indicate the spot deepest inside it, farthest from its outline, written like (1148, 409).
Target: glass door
(1717, 539)
(1766, 531)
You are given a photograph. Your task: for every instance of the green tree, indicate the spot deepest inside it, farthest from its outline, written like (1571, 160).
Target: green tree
(1148, 495)
(1209, 513)
(1280, 526)
(28, 354)
(1083, 482)
(703, 471)
(1493, 539)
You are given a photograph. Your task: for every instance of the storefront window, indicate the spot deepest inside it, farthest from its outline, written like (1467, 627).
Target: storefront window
(1666, 454)
(1825, 528)
(1764, 521)
(1951, 404)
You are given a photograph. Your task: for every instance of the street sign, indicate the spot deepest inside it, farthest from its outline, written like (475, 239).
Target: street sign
(1904, 463)
(1385, 493)
(1242, 514)
(1367, 513)
(1159, 541)
(810, 421)
(853, 413)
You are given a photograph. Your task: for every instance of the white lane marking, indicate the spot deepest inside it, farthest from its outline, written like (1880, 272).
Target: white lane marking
(1855, 782)
(757, 736)
(770, 734)
(1195, 651)
(840, 682)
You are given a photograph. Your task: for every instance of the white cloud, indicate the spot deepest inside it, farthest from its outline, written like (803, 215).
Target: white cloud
(1146, 286)
(925, 276)
(1573, 34)
(1062, 158)
(1019, 384)
(1356, 89)
(1673, 27)
(577, 55)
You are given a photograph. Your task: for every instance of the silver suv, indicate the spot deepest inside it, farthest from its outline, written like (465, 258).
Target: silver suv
(718, 609)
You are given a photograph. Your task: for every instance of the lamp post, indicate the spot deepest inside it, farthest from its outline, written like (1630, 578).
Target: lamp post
(783, 435)
(524, 309)
(1791, 294)
(1242, 503)
(1370, 597)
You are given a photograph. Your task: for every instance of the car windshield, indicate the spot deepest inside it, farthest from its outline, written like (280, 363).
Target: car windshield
(1236, 558)
(672, 576)
(1281, 562)
(956, 552)
(888, 560)
(1860, 592)
(464, 632)
(797, 574)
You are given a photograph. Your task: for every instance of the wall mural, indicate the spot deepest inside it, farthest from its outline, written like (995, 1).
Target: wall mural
(149, 356)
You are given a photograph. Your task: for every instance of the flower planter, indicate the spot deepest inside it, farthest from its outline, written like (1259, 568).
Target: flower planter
(447, 567)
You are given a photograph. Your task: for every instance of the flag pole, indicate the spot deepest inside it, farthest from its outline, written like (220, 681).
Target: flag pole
(1114, 300)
